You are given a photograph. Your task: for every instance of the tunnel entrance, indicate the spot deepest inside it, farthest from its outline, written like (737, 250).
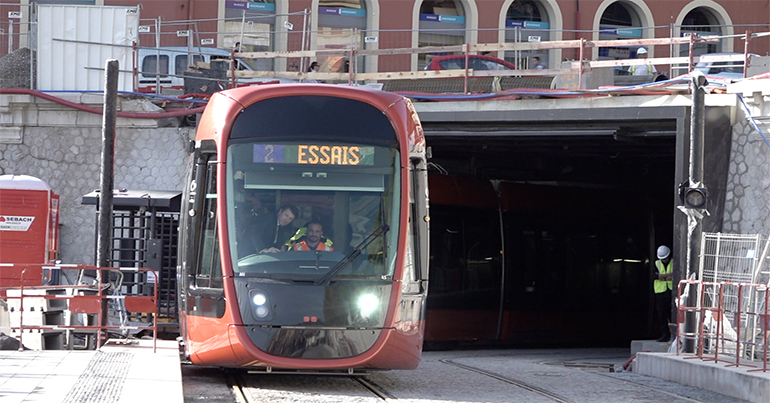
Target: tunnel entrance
(542, 230)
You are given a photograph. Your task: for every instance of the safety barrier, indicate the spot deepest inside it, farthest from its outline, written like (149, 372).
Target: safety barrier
(725, 322)
(31, 290)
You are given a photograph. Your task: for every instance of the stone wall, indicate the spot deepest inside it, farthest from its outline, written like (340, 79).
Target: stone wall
(63, 147)
(747, 205)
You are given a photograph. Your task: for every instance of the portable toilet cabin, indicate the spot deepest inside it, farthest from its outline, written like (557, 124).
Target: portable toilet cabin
(29, 216)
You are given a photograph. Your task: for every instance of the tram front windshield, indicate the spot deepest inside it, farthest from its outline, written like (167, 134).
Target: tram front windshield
(312, 211)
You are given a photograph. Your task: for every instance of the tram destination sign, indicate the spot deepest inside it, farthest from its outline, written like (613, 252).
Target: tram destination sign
(313, 154)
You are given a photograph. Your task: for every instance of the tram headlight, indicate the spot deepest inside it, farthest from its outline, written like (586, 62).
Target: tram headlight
(368, 304)
(259, 299)
(261, 311)
(261, 305)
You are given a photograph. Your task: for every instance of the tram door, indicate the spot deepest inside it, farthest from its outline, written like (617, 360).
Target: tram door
(465, 272)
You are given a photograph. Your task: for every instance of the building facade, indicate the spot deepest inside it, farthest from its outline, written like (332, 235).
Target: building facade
(279, 25)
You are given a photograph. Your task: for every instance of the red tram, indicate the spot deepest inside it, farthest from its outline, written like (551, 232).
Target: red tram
(340, 166)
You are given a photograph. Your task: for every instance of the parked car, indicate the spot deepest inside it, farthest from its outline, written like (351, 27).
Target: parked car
(732, 69)
(476, 62)
(166, 66)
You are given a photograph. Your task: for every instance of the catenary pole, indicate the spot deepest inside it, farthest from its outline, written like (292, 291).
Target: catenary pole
(694, 218)
(108, 162)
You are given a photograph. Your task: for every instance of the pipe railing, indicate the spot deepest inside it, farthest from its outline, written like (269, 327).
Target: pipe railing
(26, 282)
(734, 334)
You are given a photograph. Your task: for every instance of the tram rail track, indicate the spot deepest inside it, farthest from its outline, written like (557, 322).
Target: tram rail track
(376, 389)
(599, 369)
(515, 382)
(655, 388)
(235, 382)
(454, 377)
(245, 392)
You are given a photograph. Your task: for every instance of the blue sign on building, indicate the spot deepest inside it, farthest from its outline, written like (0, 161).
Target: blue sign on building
(346, 12)
(627, 32)
(527, 24)
(250, 6)
(452, 19)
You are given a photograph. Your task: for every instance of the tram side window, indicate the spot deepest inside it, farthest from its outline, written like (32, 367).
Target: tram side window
(447, 251)
(209, 273)
(465, 252)
(544, 264)
(482, 252)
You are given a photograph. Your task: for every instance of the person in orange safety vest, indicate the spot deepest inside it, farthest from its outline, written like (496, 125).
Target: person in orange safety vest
(312, 239)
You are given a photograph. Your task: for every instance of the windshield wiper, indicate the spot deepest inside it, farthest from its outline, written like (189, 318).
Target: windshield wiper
(352, 255)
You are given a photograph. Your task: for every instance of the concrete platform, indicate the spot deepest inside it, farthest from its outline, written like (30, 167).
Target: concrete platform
(651, 346)
(115, 373)
(744, 383)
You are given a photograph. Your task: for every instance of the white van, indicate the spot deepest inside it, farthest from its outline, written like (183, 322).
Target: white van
(712, 65)
(165, 67)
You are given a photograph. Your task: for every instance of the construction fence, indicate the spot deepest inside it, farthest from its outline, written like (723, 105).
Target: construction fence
(725, 313)
(44, 309)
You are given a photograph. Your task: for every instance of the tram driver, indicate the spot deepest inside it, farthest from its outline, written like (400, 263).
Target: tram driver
(269, 232)
(313, 239)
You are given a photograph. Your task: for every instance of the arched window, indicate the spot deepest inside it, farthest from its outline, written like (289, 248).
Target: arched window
(619, 21)
(617, 15)
(250, 27)
(442, 23)
(341, 25)
(527, 10)
(701, 21)
(527, 21)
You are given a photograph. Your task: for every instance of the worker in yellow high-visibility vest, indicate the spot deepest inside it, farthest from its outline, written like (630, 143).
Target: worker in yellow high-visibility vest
(662, 285)
(642, 69)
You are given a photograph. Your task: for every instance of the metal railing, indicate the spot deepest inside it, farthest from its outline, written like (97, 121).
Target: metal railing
(92, 308)
(736, 335)
(401, 67)
(580, 67)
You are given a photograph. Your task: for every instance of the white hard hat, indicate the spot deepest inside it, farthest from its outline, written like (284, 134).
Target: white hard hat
(641, 51)
(663, 252)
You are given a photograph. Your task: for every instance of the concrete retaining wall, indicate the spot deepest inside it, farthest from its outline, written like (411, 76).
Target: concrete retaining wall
(63, 147)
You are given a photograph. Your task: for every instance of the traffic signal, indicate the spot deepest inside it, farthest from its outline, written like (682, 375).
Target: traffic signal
(695, 197)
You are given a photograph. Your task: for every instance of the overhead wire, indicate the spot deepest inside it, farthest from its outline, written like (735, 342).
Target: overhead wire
(98, 111)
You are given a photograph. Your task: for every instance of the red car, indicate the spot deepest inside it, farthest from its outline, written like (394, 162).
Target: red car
(476, 62)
